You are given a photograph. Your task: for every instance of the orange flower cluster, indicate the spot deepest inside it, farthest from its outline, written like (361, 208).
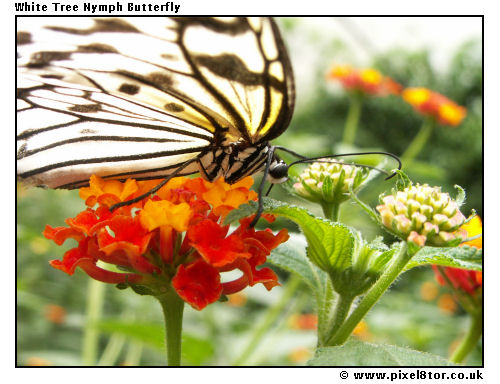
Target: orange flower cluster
(367, 81)
(372, 82)
(305, 321)
(175, 237)
(433, 104)
(470, 282)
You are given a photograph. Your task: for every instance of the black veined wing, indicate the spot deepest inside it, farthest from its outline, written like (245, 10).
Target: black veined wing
(142, 97)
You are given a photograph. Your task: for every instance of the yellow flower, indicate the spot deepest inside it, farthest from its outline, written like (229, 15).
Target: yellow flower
(224, 197)
(107, 192)
(474, 227)
(416, 96)
(371, 76)
(159, 213)
(366, 81)
(429, 291)
(433, 104)
(447, 304)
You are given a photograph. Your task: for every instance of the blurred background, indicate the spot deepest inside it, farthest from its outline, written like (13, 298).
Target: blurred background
(442, 54)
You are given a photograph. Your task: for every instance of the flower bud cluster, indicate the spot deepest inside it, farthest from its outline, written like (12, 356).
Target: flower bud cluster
(329, 181)
(423, 215)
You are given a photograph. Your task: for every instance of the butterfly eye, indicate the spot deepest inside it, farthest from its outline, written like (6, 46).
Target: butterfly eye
(278, 172)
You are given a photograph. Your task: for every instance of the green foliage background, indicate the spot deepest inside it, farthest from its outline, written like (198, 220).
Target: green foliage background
(402, 317)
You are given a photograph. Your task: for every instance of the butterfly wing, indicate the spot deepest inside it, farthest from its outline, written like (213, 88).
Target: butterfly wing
(80, 131)
(120, 97)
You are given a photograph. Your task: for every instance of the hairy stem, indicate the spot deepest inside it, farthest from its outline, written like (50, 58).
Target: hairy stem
(470, 339)
(371, 297)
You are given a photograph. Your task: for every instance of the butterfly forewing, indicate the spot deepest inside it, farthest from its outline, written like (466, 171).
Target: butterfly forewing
(139, 97)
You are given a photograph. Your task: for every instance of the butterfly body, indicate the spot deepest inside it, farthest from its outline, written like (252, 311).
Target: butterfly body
(146, 98)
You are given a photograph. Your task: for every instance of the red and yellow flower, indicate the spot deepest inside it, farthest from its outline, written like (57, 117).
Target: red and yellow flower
(433, 104)
(462, 280)
(175, 237)
(367, 81)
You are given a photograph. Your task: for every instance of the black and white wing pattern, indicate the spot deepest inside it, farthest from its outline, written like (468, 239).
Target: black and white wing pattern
(139, 97)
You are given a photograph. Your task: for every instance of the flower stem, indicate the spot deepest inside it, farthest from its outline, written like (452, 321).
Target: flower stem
(134, 352)
(371, 297)
(269, 319)
(331, 211)
(112, 350)
(173, 308)
(471, 338)
(95, 301)
(351, 123)
(418, 142)
(341, 311)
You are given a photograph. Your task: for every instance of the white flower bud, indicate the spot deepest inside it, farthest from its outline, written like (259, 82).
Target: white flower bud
(423, 215)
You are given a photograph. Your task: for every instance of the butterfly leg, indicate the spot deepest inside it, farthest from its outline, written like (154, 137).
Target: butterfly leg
(153, 190)
(260, 209)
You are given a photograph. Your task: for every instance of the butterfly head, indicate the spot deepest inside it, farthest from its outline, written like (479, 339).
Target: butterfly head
(278, 171)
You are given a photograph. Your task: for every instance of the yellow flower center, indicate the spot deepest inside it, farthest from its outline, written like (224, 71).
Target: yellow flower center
(416, 96)
(371, 76)
(451, 113)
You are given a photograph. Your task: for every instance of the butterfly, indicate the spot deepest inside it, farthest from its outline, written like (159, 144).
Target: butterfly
(150, 98)
(147, 97)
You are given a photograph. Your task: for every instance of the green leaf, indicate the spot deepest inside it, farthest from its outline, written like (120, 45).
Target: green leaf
(460, 199)
(359, 353)
(243, 210)
(291, 256)
(327, 188)
(196, 350)
(465, 257)
(330, 245)
(148, 333)
(403, 180)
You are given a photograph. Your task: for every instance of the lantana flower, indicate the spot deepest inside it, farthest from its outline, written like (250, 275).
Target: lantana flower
(365, 81)
(423, 215)
(435, 105)
(463, 280)
(175, 237)
(467, 289)
(329, 181)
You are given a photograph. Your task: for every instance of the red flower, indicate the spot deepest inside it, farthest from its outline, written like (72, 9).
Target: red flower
(366, 81)
(148, 240)
(463, 280)
(198, 284)
(210, 240)
(435, 105)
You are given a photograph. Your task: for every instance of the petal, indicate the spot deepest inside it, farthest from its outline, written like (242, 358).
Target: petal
(198, 284)
(208, 238)
(265, 276)
(60, 234)
(84, 221)
(159, 213)
(474, 227)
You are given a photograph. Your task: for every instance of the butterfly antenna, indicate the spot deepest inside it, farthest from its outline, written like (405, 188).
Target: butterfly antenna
(321, 159)
(153, 190)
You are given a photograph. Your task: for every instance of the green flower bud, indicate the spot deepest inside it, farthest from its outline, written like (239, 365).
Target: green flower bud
(328, 181)
(422, 215)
